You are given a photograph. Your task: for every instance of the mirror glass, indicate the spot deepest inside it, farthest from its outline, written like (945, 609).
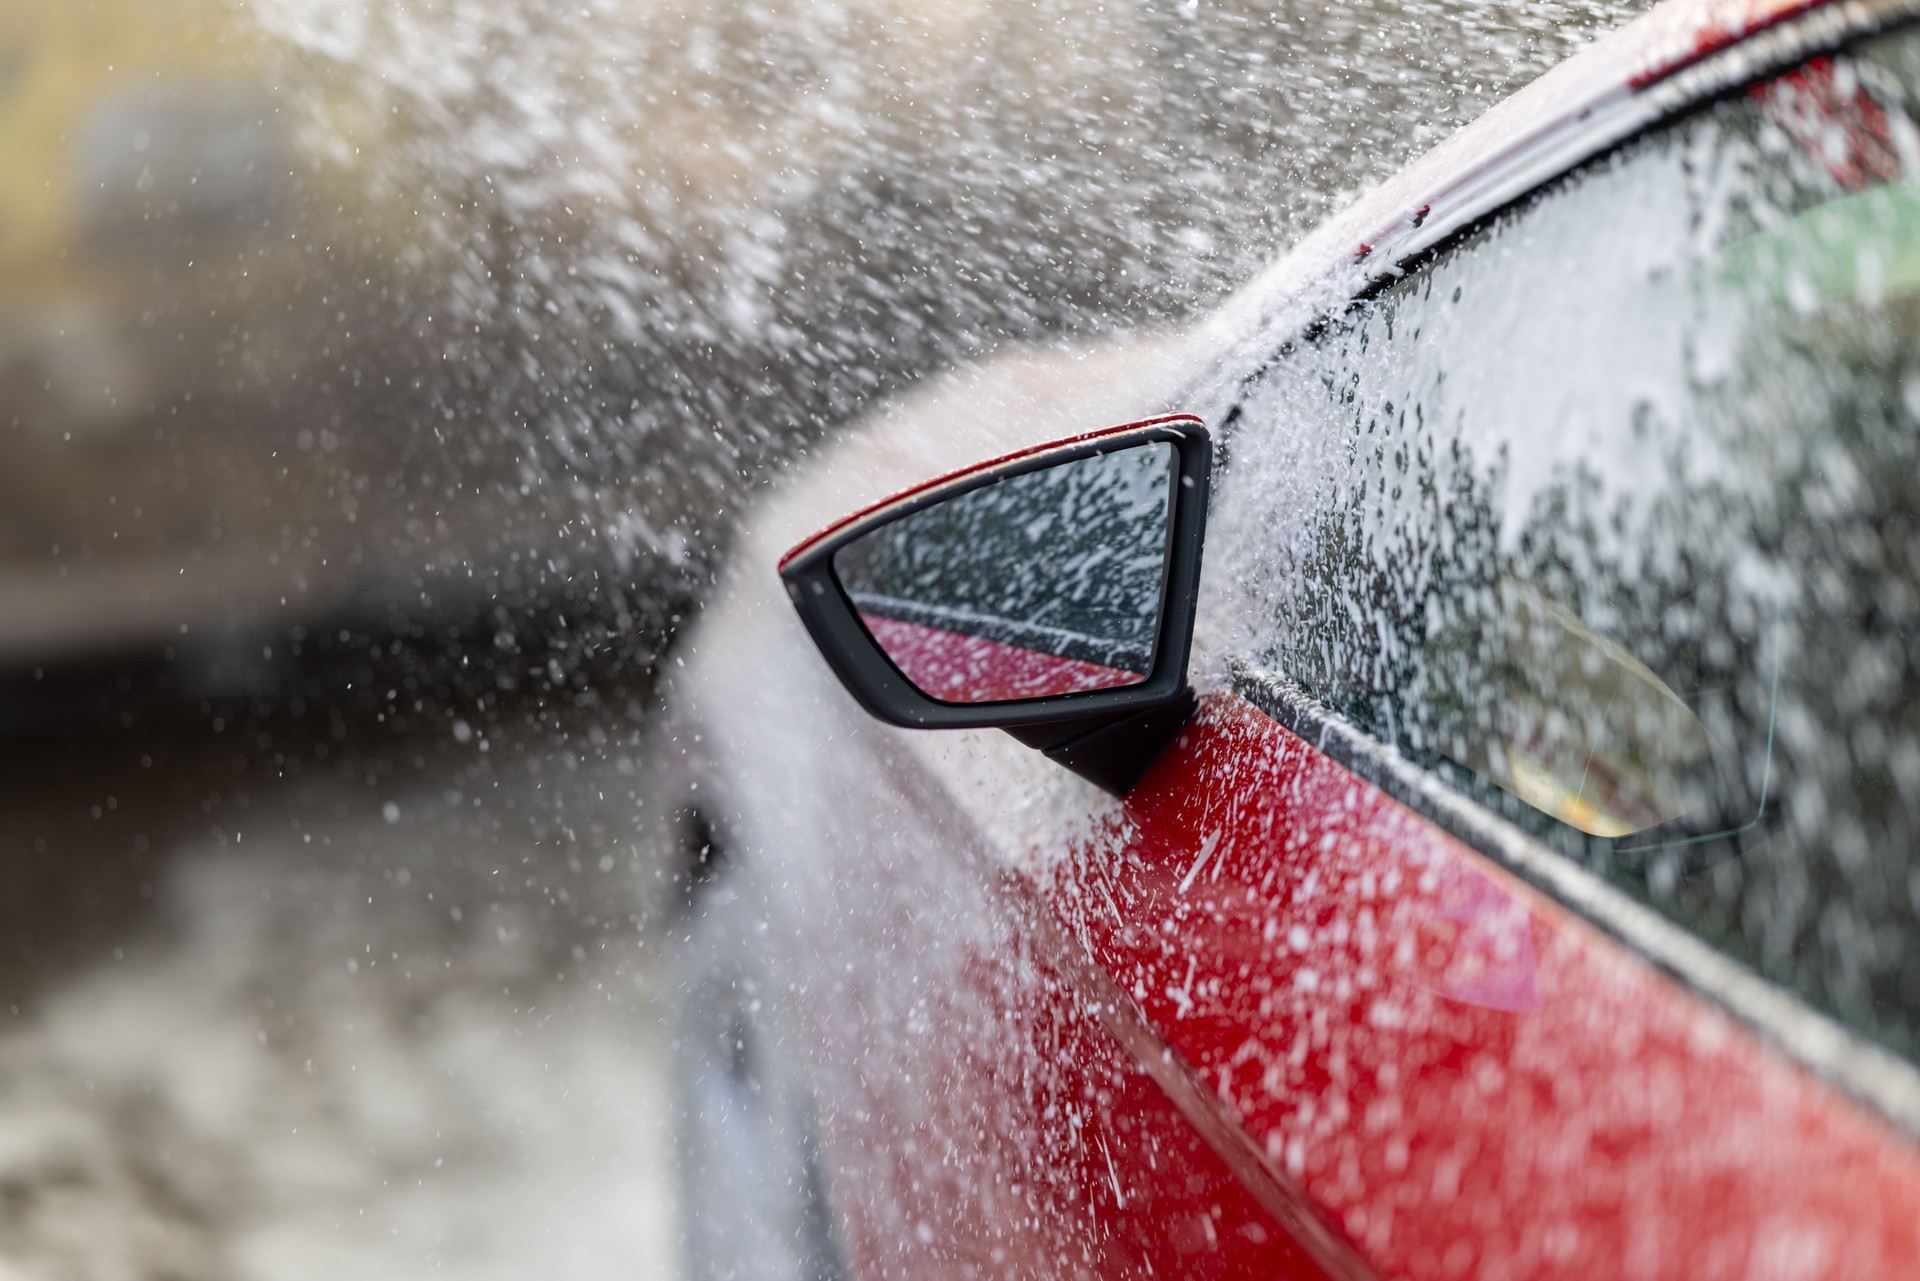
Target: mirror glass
(1044, 583)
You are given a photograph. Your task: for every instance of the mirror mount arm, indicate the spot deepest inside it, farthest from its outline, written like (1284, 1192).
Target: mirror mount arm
(1112, 752)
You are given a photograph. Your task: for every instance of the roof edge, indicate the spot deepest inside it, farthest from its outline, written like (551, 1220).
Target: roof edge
(1678, 53)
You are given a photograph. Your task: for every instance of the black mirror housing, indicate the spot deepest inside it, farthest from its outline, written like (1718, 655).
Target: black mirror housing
(1019, 576)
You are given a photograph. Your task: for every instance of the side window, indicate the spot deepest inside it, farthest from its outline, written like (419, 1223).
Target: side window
(1611, 514)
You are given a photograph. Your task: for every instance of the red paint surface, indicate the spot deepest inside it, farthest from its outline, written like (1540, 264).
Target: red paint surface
(1041, 1150)
(978, 1114)
(1835, 121)
(1682, 34)
(957, 668)
(1459, 1077)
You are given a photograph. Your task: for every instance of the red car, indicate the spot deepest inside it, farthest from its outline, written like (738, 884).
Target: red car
(1532, 887)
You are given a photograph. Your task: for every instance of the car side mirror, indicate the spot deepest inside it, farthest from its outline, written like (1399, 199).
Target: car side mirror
(1049, 593)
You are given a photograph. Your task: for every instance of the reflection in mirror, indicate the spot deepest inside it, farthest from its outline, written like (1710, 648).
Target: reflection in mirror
(1041, 584)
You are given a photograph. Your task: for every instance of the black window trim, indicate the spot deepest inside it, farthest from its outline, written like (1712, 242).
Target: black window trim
(1857, 1066)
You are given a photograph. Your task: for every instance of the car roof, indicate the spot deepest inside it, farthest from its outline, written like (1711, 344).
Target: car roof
(1629, 79)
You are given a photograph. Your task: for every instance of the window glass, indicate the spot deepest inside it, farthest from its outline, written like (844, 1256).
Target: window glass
(1611, 514)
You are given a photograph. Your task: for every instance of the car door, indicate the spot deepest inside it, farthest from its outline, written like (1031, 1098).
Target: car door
(1538, 892)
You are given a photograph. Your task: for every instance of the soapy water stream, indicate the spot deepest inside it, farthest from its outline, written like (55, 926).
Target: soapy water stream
(676, 244)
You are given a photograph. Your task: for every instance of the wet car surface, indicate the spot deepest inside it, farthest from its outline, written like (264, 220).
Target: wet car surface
(1526, 897)
(387, 379)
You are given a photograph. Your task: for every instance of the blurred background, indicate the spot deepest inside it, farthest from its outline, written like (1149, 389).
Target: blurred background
(379, 383)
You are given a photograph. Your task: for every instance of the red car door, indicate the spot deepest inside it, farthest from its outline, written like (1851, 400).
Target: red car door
(1457, 1075)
